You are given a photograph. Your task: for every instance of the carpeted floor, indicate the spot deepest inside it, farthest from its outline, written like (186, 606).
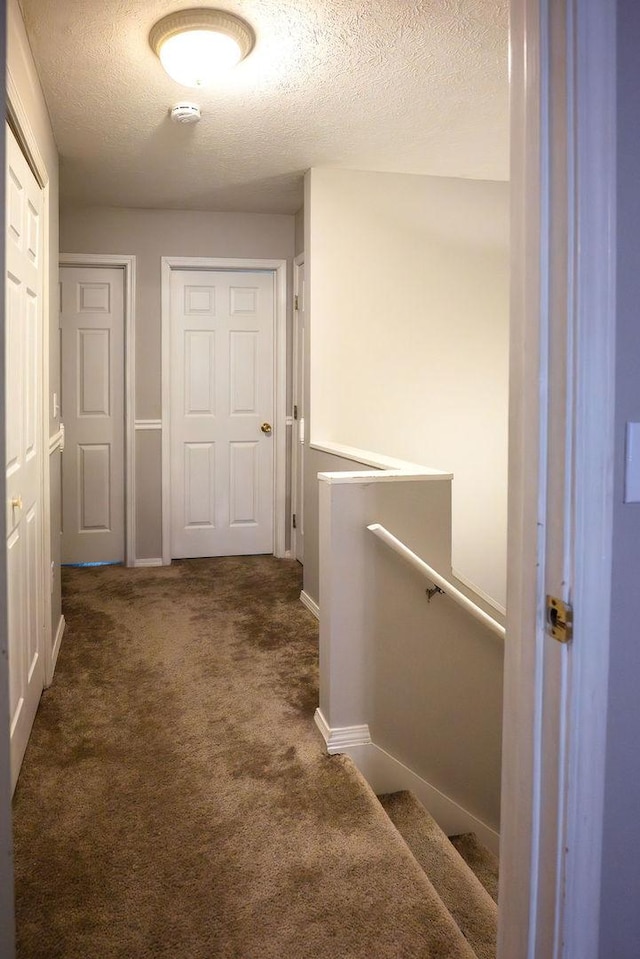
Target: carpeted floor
(176, 799)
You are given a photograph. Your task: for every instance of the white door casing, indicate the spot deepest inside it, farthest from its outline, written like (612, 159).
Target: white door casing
(560, 476)
(299, 420)
(92, 388)
(24, 452)
(222, 404)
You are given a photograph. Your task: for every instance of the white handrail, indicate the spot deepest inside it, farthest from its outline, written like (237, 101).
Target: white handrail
(429, 573)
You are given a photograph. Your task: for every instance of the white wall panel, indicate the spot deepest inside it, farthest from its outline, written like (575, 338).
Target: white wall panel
(94, 298)
(199, 485)
(199, 374)
(243, 493)
(94, 465)
(31, 374)
(243, 366)
(13, 359)
(94, 372)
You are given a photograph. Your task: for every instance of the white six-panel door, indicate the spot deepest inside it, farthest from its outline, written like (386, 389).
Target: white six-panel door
(92, 357)
(23, 385)
(222, 404)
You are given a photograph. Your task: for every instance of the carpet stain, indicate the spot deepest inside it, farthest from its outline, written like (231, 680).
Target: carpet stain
(176, 799)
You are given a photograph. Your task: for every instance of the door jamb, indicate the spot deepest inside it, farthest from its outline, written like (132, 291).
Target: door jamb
(298, 359)
(279, 269)
(128, 264)
(589, 201)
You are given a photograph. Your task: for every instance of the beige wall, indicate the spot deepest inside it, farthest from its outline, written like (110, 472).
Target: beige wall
(23, 79)
(150, 235)
(408, 306)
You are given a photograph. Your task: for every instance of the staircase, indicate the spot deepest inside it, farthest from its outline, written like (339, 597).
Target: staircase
(463, 873)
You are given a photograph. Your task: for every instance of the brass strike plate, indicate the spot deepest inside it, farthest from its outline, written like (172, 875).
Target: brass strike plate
(559, 619)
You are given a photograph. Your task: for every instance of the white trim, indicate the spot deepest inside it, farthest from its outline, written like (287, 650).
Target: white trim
(499, 608)
(297, 448)
(345, 478)
(311, 604)
(56, 646)
(279, 269)
(552, 798)
(594, 327)
(341, 738)
(368, 458)
(127, 262)
(148, 563)
(56, 442)
(147, 425)
(386, 774)
(430, 574)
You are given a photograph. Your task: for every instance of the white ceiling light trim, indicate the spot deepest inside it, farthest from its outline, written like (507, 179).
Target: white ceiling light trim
(196, 46)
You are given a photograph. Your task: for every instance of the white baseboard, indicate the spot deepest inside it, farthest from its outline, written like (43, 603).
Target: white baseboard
(157, 561)
(343, 738)
(311, 604)
(57, 643)
(386, 774)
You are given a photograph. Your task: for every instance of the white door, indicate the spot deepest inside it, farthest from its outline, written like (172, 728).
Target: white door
(23, 366)
(222, 403)
(92, 358)
(299, 320)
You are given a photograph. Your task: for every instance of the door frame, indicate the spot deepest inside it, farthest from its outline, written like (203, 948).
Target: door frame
(297, 448)
(126, 262)
(575, 312)
(224, 264)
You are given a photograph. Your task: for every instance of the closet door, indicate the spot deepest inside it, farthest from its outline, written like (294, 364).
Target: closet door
(24, 455)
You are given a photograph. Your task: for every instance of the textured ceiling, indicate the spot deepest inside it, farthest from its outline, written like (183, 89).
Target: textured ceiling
(411, 86)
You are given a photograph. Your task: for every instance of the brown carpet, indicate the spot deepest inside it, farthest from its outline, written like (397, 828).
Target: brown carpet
(461, 891)
(176, 800)
(481, 860)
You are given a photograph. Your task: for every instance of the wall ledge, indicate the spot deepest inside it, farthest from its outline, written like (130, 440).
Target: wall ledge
(376, 460)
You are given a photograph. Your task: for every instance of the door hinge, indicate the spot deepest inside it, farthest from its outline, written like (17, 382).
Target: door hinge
(295, 412)
(295, 302)
(559, 619)
(294, 521)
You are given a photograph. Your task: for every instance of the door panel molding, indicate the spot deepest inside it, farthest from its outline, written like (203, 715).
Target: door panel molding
(227, 264)
(127, 263)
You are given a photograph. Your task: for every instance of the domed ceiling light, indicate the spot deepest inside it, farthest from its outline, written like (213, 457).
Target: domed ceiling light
(196, 46)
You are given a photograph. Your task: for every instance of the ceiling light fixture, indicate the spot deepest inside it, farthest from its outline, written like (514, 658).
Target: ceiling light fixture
(196, 46)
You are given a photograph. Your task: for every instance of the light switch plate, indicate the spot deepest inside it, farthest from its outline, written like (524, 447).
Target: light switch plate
(632, 464)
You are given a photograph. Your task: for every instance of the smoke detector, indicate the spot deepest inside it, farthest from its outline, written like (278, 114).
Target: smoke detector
(185, 112)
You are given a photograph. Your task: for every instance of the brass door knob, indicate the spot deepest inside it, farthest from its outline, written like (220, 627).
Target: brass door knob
(266, 427)
(16, 502)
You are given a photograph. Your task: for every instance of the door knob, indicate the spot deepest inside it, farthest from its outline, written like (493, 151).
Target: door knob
(266, 427)
(16, 502)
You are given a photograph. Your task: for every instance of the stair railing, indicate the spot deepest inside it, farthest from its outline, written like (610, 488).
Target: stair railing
(429, 573)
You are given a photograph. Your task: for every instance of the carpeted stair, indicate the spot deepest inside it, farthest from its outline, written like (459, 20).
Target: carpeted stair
(480, 859)
(454, 878)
